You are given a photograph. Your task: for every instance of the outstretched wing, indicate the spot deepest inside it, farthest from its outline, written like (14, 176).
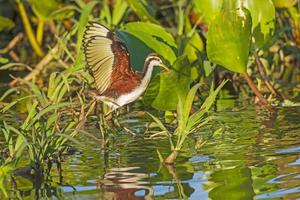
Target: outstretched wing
(102, 51)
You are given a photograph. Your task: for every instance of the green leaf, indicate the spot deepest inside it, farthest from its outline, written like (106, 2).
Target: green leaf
(163, 94)
(6, 23)
(197, 117)
(154, 36)
(83, 20)
(194, 44)
(119, 11)
(188, 103)
(51, 9)
(228, 39)
(138, 50)
(3, 60)
(284, 3)
(263, 20)
(208, 9)
(46, 110)
(158, 122)
(139, 8)
(208, 68)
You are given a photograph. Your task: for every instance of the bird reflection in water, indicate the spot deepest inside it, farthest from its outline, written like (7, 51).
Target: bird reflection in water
(125, 184)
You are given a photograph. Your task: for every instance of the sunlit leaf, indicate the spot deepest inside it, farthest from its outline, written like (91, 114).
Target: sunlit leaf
(284, 3)
(263, 19)
(194, 44)
(228, 39)
(119, 11)
(51, 9)
(208, 9)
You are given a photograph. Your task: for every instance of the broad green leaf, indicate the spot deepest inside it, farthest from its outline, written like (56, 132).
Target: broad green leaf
(284, 3)
(228, 39)
(6, 23)
(154, 36)
(138, 50)
(163, 94)
(51, 9)
(140, 9)
(263, 19)
(208, 9)
(152, 90)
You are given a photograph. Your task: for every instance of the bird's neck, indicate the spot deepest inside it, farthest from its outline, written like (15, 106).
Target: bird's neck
(147, 72)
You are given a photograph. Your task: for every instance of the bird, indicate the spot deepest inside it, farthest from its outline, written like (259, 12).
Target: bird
(108, 60)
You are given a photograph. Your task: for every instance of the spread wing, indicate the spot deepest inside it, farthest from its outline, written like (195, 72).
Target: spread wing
(103, 50)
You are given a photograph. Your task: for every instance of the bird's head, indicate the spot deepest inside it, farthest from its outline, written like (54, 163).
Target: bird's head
(154, 60)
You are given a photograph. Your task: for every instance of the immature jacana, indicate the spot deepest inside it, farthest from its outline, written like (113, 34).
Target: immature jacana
(108, 59)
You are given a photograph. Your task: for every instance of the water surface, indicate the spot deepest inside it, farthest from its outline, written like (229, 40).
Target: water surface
(255, 156)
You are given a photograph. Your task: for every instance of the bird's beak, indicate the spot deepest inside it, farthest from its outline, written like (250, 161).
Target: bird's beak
(164, 67)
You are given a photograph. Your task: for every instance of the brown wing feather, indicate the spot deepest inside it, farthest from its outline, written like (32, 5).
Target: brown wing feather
(108, 60)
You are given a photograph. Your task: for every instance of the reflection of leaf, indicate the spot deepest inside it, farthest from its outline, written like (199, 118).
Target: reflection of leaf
(155, 37)
(263, 19)
(6, 23)
(51, 9)
(163, 92)
(228, 39)
(139, 8)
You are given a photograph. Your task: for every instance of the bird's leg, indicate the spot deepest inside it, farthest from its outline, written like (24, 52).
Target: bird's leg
(103, 126)
(113, 117)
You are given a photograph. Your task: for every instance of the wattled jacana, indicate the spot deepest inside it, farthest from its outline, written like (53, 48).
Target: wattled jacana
(108, 59)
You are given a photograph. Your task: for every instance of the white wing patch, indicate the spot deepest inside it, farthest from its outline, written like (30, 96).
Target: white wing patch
(98, 54)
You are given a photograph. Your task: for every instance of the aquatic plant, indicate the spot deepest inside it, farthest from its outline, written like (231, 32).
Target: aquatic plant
(48, 128)
(187, 123)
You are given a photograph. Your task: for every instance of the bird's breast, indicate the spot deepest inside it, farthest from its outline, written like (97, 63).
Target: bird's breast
(131, 96)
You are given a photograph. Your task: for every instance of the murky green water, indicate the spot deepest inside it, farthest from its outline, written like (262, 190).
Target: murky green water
(255, 157)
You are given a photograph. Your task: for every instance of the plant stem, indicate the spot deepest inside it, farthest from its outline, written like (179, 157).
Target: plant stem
(171, 158)
(28, 29)
(40, 30)
(263, 74)
(261, 98)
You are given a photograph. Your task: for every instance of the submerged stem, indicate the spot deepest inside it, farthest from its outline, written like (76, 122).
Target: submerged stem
(171, 158)
(261, 98)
